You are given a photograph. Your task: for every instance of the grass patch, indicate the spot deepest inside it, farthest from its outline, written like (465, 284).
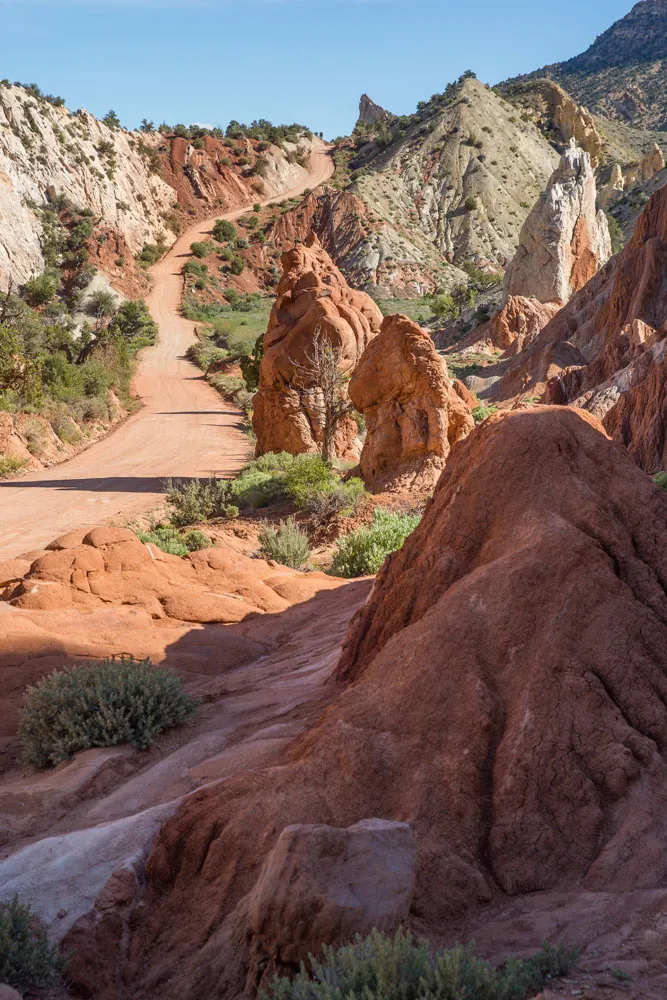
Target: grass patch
(100, 705)
(418, 310)
(404, 969)
(481, 413)
(363, 552)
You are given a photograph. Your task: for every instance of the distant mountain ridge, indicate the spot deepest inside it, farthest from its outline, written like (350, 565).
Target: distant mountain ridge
(623, 74)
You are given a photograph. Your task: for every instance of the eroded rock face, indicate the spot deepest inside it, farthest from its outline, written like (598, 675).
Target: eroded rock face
(369, 111)
(322, 885)
(412, 411)
(515, 326)
(625, 178)
(564, 241)
(502, 690)
(313, 298)
(610, 343)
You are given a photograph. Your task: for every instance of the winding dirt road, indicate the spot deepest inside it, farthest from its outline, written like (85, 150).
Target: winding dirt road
(183, 429)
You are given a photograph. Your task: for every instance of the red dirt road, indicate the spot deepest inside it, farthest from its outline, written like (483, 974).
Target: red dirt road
(184, 428)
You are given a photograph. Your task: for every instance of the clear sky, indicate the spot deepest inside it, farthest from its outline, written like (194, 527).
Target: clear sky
(286, 60)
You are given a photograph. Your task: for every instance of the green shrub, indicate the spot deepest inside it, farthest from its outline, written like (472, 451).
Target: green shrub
(470, 204)
(262, 481)
(661, 480)
(100, 705)
(27, 960)
(10, 465)
(38, 291)
(480, 413)
(152, 253)
(170, 540)
(308, 476)
(237, 265)
(404, 969)
(363, 552)
(200, 249)
(287, 544)
(197, 500)
(338, 500)
(224, 231)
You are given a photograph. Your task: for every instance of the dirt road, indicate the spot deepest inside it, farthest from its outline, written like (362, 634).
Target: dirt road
(183, 429)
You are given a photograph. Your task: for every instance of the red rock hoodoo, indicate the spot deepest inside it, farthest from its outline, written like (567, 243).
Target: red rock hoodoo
(312, 296)
(503, 692)
(412, 411)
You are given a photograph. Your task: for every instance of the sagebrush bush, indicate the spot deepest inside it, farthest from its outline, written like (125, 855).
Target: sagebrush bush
(363, 552)
(401, 968)
(100, 705)
(339, 499)
(287, 544)
(27, 960)
(262, 481)
(196, 500)
(9, 465)
(481, 413)
(661, 480)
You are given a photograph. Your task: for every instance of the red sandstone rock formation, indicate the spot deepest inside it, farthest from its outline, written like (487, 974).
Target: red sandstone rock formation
(515, 326)
(412, 411)
(615, 332)
(503, 691)
(313, 297)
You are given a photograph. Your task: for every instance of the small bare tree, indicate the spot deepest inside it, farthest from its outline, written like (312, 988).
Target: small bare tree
(321, 377)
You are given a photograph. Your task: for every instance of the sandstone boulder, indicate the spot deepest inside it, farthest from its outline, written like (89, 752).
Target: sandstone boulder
(313, 299)
(322, 885)
(564, 241)
(412, 411)
(503, 690)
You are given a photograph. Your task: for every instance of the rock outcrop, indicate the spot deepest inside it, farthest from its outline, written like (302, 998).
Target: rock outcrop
(413, 414)
(313, 300)
(624, 179)
(611, 342)
(564, 241)
(513, 327)
(369, 111)
(502, 691)
(322, 885)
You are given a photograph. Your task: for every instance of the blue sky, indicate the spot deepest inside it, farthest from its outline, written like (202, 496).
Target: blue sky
(286, 60)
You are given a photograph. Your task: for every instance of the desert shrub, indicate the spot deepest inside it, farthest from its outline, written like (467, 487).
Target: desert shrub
(287, 544)
(152, 253)
(10, 465)
(262, 481)
(200, 249)
(170, 540)
(480, 413)
(307, 477)
(338, 500)
(224, 231)
(363, 552)
(40, 290)
(237, 265)
(470, 204)
(404, 969)
(197, 541)
(27, 960)
(195, 500)
(661, 480)
(100, 705)
(444, 307)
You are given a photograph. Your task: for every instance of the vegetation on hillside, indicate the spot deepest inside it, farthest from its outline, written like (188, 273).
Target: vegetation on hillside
(28, 960)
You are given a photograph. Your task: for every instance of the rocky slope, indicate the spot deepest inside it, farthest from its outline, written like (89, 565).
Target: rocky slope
(623, 74)
(141, 187)
(548, 778)
(450, 184)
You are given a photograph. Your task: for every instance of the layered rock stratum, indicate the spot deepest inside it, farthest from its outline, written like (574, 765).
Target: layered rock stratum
(314, 302)
(412, 411)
